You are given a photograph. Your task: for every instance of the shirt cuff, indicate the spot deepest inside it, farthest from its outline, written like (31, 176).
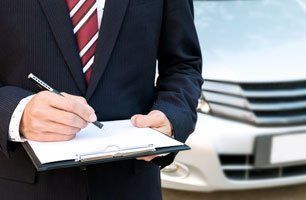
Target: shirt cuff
(14, 134)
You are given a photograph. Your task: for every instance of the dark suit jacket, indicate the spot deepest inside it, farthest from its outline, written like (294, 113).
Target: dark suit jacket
(36, 37)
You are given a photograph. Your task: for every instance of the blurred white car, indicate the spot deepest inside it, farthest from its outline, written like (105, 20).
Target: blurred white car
(251, 130)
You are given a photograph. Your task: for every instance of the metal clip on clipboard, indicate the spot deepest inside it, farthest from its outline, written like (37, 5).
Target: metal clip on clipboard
(114, 153)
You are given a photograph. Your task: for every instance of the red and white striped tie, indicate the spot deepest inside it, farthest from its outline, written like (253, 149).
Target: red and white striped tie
(84, 18)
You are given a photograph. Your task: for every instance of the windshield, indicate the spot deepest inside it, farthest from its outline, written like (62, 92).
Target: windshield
(236, 26)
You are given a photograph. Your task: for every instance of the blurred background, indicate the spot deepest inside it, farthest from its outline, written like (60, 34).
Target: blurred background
(283, 193)
(250, 138)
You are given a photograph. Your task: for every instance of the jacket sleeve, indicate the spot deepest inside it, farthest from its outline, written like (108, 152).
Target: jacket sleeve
(10, 96)
(180, 65)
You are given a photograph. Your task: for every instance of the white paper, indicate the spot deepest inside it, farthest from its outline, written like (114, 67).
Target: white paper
(114, 135)
(288, 148)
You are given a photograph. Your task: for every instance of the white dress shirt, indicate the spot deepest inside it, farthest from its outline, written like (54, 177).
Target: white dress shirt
(14, 126)
(100, 8)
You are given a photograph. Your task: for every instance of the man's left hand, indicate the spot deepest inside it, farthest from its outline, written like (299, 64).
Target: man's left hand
(156, 120)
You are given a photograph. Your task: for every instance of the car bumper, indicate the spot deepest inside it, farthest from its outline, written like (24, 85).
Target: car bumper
(204, 168)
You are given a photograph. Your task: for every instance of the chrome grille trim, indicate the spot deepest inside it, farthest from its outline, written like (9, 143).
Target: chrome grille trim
(258, 103)
(226, 99)
(277, 106)
(226, 88)
(237, 167)
(281, 120)
(271, 93)
(244, 103)
(232, 112)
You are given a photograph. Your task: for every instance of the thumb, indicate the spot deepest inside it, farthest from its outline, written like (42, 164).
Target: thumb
(145, 121)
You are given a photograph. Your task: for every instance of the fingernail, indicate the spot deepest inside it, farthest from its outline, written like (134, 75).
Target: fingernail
(93, 117)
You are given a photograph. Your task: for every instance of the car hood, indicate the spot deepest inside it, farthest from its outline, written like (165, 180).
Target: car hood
(285, 62)
(252, 41)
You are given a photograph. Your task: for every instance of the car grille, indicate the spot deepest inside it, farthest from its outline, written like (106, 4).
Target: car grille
(282, 103)
(241, 167)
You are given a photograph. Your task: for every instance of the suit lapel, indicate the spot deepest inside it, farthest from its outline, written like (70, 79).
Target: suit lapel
(114, 13)
(58, 17)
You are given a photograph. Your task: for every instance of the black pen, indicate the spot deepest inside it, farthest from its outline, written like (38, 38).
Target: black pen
(45, 86)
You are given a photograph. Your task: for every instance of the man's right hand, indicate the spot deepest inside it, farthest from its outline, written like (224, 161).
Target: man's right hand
(51, 117)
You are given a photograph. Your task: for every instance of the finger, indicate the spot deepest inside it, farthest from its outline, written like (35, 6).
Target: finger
(84, 111)
(49, 137)
(74, 106)
(58, 128)
(147, 158)
(66, 118)
(150, 120)
(83, 101)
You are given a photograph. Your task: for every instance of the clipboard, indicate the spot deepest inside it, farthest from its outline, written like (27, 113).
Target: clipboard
(101, 157)
(118, 140)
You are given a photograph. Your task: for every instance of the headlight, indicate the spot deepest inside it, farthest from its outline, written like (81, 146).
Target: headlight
(203, 106)
(176, 170)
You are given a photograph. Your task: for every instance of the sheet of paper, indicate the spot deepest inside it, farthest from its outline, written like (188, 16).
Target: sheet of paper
(114, 135)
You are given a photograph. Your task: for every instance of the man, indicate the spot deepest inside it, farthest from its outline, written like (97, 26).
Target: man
(102, 55)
